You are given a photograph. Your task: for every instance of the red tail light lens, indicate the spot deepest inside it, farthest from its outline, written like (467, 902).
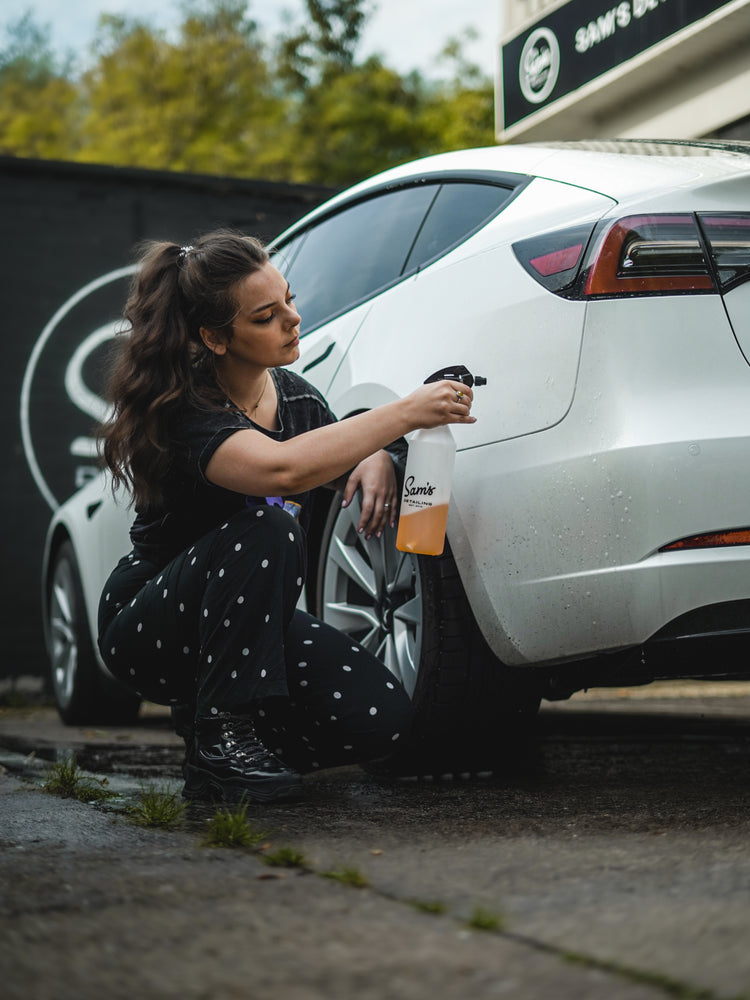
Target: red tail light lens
(647, 254)
(710, 540)
(728, 238)
(557, 261)
(554, 259)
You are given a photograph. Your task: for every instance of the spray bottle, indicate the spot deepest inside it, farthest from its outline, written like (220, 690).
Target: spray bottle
(427, 480)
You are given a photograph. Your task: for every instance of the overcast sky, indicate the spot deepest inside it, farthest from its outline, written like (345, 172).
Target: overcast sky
(408, 33)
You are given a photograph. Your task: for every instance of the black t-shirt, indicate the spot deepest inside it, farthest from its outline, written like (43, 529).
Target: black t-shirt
(192, 505)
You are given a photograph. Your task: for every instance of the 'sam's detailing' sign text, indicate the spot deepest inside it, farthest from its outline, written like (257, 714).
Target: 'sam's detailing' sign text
(580, 41)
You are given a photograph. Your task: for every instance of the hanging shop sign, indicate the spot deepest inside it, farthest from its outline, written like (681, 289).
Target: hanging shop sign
(582, 40)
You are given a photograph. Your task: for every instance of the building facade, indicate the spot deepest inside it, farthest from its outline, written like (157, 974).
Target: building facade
(595, 69)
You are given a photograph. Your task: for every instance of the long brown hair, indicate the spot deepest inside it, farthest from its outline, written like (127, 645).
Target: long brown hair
(162, 359)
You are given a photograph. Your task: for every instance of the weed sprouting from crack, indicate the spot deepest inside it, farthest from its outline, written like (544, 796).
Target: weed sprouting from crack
(67, 780)
(485, 920)
(231, 828)
(672, 987)
(285, 857)
(157, 809)
(347, 876)
(434, 906)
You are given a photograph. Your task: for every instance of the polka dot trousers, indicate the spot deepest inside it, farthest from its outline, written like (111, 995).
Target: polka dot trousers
(217, 629)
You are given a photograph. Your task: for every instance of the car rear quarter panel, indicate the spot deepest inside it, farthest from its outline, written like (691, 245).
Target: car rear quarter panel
(737, 302)
(556, 534)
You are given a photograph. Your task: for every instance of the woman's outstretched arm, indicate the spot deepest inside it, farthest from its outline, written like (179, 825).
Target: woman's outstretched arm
(249, 462)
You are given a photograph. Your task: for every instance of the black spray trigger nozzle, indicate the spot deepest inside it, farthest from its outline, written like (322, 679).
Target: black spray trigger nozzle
(457, 373)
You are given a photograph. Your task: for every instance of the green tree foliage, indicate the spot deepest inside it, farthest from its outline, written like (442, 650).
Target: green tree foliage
(38, 100)
(354, 122)
(461, 111)
(328, 41)
(218, 98)
(204, 103)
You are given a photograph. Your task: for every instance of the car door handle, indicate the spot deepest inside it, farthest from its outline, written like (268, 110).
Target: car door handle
(317, 361)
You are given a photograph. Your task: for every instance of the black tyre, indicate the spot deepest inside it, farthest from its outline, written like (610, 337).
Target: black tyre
(412, 612)
(83, 693)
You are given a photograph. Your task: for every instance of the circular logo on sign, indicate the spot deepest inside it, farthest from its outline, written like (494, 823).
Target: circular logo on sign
(539, 66)
(62, 391)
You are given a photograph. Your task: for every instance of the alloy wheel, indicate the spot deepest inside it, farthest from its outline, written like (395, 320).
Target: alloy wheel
(371, 591)
(62, 622)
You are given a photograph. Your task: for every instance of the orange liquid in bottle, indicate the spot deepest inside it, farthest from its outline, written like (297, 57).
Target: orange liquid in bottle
(423, 531)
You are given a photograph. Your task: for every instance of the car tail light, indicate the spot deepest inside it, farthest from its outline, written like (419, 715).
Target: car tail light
(554, 259)
(659, 254)
(728, 239)
(647, 254)
(709, 540)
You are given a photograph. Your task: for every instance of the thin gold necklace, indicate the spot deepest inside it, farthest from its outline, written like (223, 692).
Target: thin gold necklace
(262, 394)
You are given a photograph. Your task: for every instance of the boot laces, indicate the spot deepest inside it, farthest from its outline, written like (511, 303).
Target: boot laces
(241, 741)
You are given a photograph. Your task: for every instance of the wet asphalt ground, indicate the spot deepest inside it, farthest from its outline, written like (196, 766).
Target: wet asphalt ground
(613, 862)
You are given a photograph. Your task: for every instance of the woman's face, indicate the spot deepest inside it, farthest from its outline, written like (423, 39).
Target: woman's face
(265, 331)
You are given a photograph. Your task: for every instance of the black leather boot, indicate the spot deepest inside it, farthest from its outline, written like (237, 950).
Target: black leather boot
(228, 763)
(183, 720)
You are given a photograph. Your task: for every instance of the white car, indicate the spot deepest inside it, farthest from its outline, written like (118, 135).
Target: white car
(599, 526)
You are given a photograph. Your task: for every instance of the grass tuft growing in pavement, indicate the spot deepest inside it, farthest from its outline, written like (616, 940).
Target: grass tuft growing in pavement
(161, 810)
(231, 828)
(348, 876)
(67, 780)
(485, 920)
(434, 906)
(676, 988)
(285, 857)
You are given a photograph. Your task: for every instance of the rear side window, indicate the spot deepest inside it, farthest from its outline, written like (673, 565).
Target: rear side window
(351, 256)
(456, 212)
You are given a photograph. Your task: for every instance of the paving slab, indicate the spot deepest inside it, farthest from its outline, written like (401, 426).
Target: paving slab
(93, 907)
(616, 866)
